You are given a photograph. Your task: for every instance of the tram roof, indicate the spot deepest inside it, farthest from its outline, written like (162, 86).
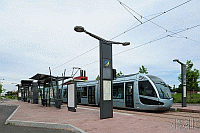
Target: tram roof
(129, 75)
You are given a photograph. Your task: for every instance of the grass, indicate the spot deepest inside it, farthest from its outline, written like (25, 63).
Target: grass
(10, 123)
(11, 97)
(194, 98)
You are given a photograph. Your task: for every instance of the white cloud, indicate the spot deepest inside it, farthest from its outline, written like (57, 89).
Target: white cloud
(40, 33)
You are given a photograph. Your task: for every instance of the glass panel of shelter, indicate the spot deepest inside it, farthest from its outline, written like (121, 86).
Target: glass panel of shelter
(49, 90)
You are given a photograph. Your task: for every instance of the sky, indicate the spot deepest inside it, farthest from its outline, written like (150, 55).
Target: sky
(38, 34)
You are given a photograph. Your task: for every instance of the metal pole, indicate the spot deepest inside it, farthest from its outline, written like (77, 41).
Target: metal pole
(183, 85)
(106, 96)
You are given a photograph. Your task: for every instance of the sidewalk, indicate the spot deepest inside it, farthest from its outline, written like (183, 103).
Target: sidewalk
(88, 120)
(193, 108)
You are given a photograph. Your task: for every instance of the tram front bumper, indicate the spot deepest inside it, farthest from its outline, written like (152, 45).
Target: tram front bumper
(167, 104)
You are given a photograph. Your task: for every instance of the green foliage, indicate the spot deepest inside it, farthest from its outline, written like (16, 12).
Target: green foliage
(2, 89)
(192, 77)
(178, 90)
(143, 70)
(119, 74)
(11, 97)
(98, 77)
(10, 123)
(194, 98)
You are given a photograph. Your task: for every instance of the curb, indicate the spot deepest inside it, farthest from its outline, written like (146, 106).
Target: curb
(41, 124)
(184, 110)
(46, 125)
(188, 110)
(173, 109)
(12, 113)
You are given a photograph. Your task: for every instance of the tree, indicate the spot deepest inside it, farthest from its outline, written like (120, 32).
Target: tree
(119, 74)
(192, 77)
(2, 89)
(169, 87)
(98, 77)
(143, 70)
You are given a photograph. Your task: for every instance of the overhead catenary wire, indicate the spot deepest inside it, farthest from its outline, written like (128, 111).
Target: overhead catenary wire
(132, 14)
(75, 57)
(123, 32)
(149, 19)
(173, 33)
(125, 6)
(148, 43)
(158, 39)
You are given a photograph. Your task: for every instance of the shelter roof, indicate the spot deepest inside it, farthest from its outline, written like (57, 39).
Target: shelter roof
(45, 78)
(26, 82)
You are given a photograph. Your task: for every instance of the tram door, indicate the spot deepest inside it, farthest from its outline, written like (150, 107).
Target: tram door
(129, 94)
(91, 95)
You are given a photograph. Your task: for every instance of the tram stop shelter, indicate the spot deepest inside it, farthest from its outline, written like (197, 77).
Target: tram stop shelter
(50, 92)
(26, 89)
(19, 95)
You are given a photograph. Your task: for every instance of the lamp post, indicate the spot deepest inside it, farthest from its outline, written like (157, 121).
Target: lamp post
(183, 82)
(106, 93)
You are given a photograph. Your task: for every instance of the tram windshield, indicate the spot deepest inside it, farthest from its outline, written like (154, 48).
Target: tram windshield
(162, 88)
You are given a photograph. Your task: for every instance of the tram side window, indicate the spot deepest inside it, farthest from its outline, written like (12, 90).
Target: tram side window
(84, 93)
(146, 89)
(118, 91)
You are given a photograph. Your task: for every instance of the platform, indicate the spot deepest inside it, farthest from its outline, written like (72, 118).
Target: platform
(87, 119)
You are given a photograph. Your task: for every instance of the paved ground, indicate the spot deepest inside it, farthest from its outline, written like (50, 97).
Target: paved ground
(6, 111)
(193, 108)
(87, 119)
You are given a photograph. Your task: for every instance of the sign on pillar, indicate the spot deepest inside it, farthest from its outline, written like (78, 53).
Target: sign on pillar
(71, 100)
(106, 100)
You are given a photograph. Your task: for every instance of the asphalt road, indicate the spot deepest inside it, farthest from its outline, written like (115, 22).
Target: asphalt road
(6, 111)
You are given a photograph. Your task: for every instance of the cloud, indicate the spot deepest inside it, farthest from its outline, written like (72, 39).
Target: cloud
(39, 34)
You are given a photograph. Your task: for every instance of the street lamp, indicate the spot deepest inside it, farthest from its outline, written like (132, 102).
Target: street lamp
(81, 29)
(106, 75)
(183, 82)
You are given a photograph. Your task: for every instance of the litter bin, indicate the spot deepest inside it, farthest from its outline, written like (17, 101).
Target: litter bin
(44, 102)
(58, 103)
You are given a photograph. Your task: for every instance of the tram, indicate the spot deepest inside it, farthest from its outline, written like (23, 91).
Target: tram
(137, 91)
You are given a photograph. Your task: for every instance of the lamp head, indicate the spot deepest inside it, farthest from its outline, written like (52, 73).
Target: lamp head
(175, 60)
(126, 43)
(79, 29)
